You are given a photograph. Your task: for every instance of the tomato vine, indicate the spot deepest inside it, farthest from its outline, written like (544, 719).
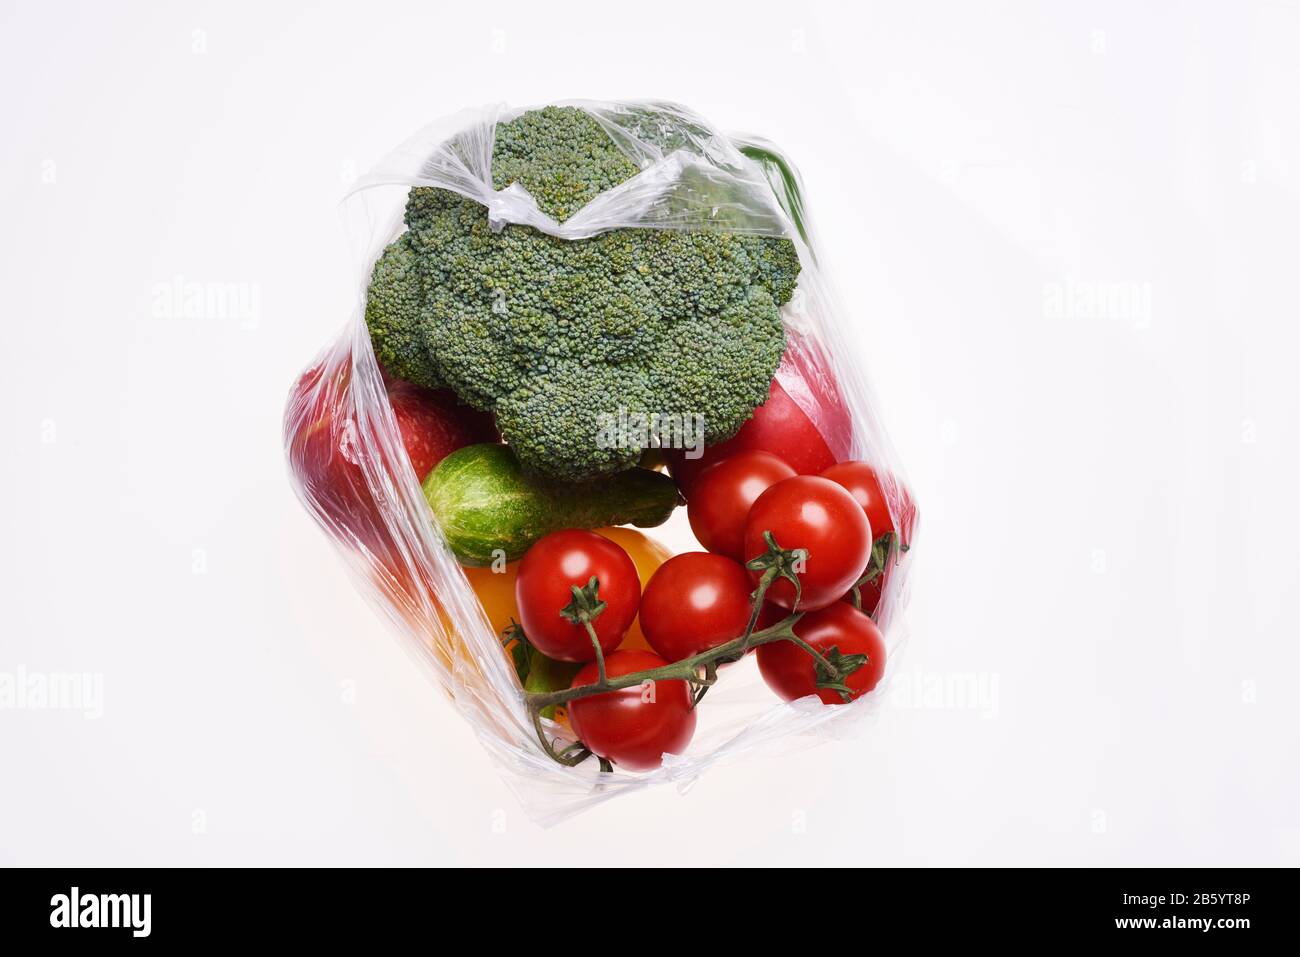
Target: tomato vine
(700, 670)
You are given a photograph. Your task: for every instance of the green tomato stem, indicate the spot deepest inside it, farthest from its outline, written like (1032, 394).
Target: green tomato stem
(600, 653)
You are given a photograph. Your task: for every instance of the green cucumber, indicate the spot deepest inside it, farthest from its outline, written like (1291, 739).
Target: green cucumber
(488, 507)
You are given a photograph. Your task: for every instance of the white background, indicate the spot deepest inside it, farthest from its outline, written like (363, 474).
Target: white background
(1108, 493)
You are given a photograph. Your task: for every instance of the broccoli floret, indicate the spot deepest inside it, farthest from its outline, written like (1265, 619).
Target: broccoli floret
(393, 301)
(561, 155)
(552, 421)
(559, 336)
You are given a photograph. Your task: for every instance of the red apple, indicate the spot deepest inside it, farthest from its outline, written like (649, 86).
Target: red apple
(779, 427)
(435, 423)
(320, 440)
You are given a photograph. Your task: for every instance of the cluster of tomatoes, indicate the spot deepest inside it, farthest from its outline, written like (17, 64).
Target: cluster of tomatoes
(778, 544)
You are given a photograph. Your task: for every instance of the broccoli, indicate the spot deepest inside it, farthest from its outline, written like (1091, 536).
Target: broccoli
(393, 299)
(555, 336)
(562, 156)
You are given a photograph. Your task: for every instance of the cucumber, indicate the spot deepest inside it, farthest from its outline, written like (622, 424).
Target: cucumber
(487, 505)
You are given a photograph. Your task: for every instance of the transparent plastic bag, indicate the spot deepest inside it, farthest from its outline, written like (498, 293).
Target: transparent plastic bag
(351, 471)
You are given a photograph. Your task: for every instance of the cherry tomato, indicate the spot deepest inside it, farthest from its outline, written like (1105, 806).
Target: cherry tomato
(792, 673)
(870, 593)
(633, 727)
(778, 427)
(547, 573)
(860, 480)
(723, 495)
(814, 514)
(694, 602)
(863, 484)
(647, 555)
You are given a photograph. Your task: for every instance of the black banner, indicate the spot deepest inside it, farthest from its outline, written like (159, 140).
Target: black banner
(1170, 907)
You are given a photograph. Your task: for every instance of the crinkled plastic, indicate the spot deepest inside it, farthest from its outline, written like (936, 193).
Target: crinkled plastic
(350, 469)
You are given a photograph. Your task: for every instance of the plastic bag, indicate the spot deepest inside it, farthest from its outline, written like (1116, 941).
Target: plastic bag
(352, 473)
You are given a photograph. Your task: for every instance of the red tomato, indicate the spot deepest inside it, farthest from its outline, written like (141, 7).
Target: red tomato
(633, 727)
(697, 601)
(724, 494)
(814, 514)
(863, 484)
(778, 427)
(435, 424)
(792, 673)
(860, 480)
(870, 593)
(547, 573)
